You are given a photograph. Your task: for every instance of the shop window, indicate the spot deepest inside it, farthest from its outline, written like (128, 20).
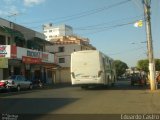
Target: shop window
(61, 60)
(61, 49)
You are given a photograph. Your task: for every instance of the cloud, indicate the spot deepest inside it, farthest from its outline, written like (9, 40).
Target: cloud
(30, 3)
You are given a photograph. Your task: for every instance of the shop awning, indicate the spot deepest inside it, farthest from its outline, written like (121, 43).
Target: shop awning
(51, 66)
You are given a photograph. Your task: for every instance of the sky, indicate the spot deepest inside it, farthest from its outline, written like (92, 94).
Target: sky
(109, 24)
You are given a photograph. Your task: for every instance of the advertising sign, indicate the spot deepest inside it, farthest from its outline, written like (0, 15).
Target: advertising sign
(3, 62)
(13, 51)
(5, 51)
(30, 60)
(34, 55)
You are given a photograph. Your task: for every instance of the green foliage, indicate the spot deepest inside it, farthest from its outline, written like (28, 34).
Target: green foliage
(143, 65)
(157, 64)
(120, 67)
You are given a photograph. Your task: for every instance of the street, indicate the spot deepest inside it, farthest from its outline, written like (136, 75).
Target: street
(66, 99)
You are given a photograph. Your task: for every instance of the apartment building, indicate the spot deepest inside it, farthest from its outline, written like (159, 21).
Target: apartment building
(50, 31)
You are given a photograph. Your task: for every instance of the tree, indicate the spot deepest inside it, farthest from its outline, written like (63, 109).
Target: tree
(157, 64)
(120, 67)
(143, 65)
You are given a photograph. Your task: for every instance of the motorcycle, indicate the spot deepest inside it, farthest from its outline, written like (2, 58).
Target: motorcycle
(38, 83)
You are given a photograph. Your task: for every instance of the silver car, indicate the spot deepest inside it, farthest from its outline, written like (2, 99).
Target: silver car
(18, 82)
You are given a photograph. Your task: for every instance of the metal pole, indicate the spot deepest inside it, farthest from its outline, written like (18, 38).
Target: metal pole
(153, 85)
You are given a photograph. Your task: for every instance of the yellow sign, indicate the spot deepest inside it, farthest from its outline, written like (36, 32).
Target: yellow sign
(3, 62)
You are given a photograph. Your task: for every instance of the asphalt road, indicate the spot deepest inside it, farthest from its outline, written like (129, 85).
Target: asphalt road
(67, 100)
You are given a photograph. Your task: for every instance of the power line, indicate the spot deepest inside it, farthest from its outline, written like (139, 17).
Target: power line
(138, 5)
(95, 11)
(101, 25)
(127, 51)
(111, 27)
(83, 14)
(97, 26)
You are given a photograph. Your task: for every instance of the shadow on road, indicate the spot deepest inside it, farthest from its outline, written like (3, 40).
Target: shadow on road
(5, 93)
(32, 107)
(120, 85)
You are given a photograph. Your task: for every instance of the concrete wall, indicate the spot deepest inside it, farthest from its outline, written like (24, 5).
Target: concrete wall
(63, 75)
(6, 23)
(68, 49)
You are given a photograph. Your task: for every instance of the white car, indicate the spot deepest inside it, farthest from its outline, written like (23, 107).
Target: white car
(18, 82)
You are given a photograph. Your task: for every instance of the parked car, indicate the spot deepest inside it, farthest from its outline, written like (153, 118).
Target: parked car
(137, 79)
(18, 82)
(3, 85)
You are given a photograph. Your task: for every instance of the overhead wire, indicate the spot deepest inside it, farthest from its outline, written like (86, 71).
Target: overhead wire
(110, 27)
(101, 25)
(83, 14)
(127, 51)
(86, 13)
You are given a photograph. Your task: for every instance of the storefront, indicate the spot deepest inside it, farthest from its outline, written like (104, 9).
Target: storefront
(9, 65)
(30, 63)
(34, 62)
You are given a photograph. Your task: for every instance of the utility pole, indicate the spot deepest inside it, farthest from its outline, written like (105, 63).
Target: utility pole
(152, 78)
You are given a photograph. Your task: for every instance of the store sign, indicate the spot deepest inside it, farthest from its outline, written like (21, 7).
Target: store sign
(3, 63)
(3, 51)
(35, 54)
(44, 57)
(13, 51)
(30, 60)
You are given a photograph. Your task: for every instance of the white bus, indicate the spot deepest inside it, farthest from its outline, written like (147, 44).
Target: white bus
(92, 67)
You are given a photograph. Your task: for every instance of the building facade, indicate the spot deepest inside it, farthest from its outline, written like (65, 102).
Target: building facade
(51, 31)
(22, 51)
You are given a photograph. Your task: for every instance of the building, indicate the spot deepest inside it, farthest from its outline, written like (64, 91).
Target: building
(51, 31)
(62, 47)
(22, 51)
